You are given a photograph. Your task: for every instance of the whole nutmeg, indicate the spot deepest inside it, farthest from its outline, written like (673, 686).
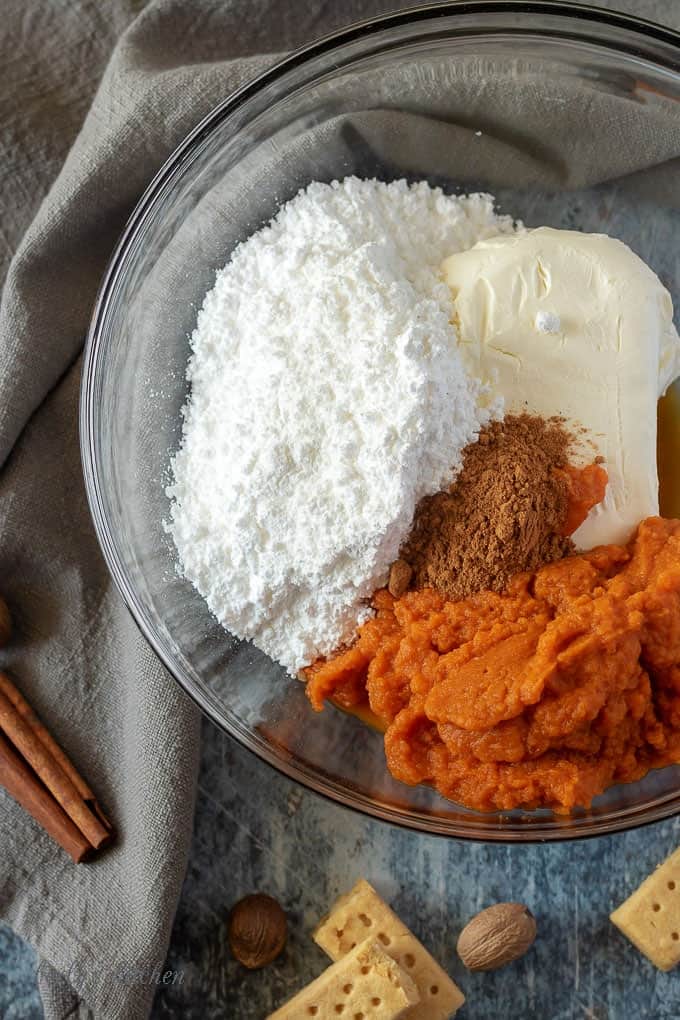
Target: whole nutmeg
(5, 623)
(257, 930)
(496, 936)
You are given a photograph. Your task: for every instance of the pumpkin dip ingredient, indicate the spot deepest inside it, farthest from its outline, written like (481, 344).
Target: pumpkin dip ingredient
(544, 695)
(510, 509)
(328, 396)
(496, 936)
(257, 930)
(400, 578)
(563, 322)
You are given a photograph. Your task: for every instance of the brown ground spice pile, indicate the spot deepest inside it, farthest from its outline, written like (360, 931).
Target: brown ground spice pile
(504, 513)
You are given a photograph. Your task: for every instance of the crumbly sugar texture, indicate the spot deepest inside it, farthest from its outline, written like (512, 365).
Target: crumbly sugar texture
(327, 397)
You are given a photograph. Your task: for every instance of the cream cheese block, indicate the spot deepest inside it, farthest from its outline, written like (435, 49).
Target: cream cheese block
(559, 322)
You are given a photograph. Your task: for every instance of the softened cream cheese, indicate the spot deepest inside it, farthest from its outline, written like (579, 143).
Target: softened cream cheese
(559, 322)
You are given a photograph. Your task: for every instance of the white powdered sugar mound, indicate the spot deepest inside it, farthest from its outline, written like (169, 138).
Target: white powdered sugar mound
(327, 397)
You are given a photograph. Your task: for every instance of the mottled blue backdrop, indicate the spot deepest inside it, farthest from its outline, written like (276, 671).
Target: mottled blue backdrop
(255, 830)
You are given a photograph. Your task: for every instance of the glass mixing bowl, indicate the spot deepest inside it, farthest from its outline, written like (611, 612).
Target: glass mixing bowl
(569, 115)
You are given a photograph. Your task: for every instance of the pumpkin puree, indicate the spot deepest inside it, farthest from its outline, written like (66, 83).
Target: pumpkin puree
(544, 695)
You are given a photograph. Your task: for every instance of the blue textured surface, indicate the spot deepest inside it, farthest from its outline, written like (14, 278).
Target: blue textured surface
(18, 996)
(255, 830)
(305, 851)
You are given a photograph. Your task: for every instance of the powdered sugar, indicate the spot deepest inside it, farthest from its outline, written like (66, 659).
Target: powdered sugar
(327, 397)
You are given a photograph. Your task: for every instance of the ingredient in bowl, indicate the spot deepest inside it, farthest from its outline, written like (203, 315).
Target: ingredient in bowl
(561, 322)
(400, 577)
(544, 695)
(257, 930)
(496, 936)
(510, 509)
(650, 917)
(328, 396)
(587, 487)
(362, 911)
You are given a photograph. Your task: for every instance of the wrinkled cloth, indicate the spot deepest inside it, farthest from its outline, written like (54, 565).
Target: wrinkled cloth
(95, 97)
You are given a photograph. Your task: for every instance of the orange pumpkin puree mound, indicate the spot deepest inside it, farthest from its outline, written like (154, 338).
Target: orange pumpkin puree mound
(542, 696)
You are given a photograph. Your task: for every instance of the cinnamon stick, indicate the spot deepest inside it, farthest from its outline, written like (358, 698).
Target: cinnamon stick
(24, 786)
(52, 747)
(24, 740)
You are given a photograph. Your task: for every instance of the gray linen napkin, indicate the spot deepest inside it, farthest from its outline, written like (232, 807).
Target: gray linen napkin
(101, 929)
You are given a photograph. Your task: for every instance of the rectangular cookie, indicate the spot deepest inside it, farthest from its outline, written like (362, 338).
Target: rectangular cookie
(365, 983)
(360, 913)
(650, 917)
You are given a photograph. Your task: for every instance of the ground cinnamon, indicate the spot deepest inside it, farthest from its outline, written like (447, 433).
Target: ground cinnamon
(505, 513)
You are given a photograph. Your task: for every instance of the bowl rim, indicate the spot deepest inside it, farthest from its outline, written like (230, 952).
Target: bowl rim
(640, 30)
